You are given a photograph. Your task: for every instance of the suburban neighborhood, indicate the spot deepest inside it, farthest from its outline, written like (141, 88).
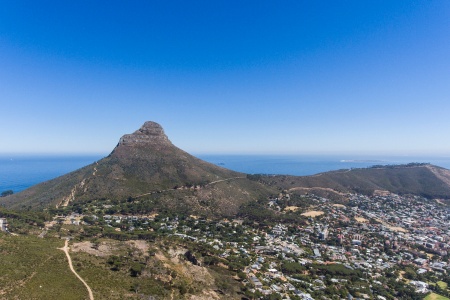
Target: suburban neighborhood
(361, 249)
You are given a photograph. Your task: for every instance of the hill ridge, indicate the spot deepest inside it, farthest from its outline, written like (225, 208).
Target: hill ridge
(146, 165)
(146, 162)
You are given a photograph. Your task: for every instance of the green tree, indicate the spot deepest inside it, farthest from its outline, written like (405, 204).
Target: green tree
(136, 269)
(7, 193)
(115, 262)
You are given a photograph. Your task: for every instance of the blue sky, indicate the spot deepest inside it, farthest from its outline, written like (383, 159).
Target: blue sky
(263, 77)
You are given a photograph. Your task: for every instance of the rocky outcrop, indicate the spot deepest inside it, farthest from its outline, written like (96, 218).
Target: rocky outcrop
(149, 133)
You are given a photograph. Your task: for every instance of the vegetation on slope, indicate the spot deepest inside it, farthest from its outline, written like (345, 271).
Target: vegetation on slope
(417, 179)
(33, 268)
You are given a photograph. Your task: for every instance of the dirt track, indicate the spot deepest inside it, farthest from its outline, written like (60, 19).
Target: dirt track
(66, 250)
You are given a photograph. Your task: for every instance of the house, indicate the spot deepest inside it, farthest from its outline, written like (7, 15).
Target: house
(323, 235)
(256, 283)
(421, 287)
(421, 271)
(3, 224)
(317, 253)
(420, 261)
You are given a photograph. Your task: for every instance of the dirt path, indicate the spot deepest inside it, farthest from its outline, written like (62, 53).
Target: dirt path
(95, 169)
(316, 188)
(222, 180)
(181, 187)
(43, 233)
(65, 202)
(66, 250)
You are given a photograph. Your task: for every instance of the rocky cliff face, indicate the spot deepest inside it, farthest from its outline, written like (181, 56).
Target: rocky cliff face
(150, 133)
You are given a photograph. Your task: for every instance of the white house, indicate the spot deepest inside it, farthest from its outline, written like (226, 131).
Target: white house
(3, 224)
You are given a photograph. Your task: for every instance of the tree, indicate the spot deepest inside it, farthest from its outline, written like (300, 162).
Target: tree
(136, 269)
(242, 275)
(410, 274)
(7, 193)
(115, 262)
(135, 287)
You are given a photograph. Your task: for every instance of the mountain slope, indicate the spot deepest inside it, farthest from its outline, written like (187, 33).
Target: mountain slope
(146, 163)
(418, 179)
(145, 168)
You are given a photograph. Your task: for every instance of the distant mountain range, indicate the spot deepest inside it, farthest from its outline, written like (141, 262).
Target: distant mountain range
(145, 165)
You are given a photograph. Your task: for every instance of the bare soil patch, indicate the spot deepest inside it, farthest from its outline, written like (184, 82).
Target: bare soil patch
(313, 213)
(392, 228)
(291, 208)
(102, 250)
(339, 205)
(381, 193)
(207, 295)
(194, 274)
(142, 246)
(361, 220)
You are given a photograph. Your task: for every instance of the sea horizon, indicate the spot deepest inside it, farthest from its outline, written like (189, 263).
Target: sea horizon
(21, 171)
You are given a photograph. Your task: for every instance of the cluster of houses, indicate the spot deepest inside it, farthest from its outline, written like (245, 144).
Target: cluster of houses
(372, 234)
(424, 222)
(369, 234)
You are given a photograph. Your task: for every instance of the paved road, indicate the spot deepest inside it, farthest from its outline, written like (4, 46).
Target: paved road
(66, 250)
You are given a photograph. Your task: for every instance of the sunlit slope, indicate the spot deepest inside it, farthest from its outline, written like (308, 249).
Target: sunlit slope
(146, 164)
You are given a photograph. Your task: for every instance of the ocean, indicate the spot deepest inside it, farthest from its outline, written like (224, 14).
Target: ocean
(302, 165)
(20, 172)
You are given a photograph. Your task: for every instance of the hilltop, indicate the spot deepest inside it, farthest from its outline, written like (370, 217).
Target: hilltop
(415, 178)
(145, 165)
(147, 170)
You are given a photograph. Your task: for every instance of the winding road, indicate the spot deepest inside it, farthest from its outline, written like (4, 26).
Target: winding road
(66, 250)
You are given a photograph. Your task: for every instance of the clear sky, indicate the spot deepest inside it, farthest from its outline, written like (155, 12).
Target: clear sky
(266, 77)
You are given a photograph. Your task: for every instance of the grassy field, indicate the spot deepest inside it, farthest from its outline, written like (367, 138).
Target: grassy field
(442, 284)
(434, 296)
(33, 268)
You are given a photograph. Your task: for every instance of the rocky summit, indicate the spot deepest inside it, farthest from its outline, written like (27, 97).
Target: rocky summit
(150, 133)
(146, 167)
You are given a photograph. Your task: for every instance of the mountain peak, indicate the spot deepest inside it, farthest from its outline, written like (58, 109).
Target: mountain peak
(149, 133)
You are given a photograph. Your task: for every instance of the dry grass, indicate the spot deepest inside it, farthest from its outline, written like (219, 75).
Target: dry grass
(104, 249)
(398, 229)
(291, 208)
(392, 228)
(361, 220)
(33, 268)
(434, 296)
(339, 205)
(313, 213)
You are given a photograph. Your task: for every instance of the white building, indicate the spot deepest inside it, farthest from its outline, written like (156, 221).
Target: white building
(3, 224)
